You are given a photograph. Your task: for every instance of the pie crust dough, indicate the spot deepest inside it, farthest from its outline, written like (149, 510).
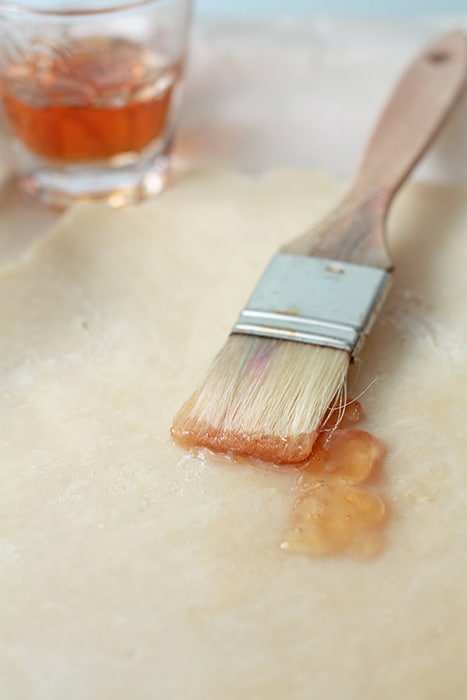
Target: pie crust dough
(131, 569)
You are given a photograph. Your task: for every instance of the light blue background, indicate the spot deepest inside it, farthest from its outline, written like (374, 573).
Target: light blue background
(350, 8)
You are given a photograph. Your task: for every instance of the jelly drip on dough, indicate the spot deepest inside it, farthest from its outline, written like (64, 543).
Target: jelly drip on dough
(336, 510)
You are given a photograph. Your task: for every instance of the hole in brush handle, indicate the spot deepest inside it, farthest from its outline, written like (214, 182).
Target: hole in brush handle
(438, 56)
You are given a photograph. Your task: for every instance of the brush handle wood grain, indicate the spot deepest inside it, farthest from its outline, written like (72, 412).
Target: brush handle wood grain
(421, 102)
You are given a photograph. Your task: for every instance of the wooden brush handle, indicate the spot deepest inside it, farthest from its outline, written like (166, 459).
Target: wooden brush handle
(422, 100)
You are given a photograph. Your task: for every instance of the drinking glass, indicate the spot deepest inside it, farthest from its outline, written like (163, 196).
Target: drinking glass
(90, 91)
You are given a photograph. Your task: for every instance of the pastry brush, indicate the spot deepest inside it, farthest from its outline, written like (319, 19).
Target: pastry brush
(286, 360)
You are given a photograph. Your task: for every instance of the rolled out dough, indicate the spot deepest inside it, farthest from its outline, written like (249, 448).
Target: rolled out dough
(130, 569)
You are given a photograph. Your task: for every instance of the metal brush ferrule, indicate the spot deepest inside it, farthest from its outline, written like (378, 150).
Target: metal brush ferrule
(316, 301)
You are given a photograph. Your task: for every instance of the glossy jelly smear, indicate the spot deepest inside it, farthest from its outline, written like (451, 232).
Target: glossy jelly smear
(337, 509)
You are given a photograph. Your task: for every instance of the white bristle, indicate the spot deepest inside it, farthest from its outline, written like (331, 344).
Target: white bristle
(263, 397)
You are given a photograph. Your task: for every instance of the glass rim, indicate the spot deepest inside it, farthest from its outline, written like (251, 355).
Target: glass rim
(22, 9)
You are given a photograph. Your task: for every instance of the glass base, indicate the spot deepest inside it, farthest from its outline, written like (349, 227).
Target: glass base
(117, 183)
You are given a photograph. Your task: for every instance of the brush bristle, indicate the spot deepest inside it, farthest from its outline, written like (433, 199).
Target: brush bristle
(263, 398)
